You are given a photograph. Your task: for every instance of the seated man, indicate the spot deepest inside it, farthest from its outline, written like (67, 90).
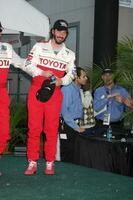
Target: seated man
(72, 110)
(110, 101)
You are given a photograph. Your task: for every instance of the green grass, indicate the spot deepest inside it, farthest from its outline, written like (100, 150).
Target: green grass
(71, 182)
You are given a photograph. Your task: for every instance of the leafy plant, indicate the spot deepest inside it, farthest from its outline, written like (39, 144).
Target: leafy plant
(18, 124)
(123, 71)
(125, 54)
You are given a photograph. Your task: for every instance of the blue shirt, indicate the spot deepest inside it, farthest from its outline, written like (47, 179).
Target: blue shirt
(72, 105)
(115, 108)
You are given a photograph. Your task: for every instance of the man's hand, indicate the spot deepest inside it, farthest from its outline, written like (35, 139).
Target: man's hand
(113, 95)
(58, 81)
(47, 74)
(119, 98)
(81, 130)
(116, 96)
(128, 102)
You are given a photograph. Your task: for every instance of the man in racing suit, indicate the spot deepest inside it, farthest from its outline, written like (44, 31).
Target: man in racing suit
(44, 116)
(7, 57)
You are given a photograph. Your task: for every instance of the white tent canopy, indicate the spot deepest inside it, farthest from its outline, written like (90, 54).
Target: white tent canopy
(19, 15)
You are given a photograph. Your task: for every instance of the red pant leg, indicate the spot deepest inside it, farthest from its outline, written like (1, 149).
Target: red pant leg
(4, 119)
(35, 124)
(51, 123)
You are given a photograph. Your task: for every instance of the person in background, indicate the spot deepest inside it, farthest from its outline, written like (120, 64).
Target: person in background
(72, 110)
(77, 107)
(7, 57)
(110, 101)
(88, 120)
(54, 57)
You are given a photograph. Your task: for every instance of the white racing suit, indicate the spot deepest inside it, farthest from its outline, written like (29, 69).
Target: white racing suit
(44, 116)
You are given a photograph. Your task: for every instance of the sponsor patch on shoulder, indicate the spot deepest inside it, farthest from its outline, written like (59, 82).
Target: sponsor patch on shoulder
(3, 48)
(28, 62)
(29, 58)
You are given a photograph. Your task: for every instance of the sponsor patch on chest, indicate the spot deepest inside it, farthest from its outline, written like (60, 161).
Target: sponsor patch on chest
(51, 63)
(4, 63)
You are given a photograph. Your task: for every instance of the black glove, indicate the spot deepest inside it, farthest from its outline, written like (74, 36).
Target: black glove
(46, 90)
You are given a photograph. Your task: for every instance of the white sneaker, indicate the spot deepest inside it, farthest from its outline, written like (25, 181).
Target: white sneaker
(49, 169)
(32, 168)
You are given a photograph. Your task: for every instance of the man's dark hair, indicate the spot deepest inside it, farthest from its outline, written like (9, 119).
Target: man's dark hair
(79, 69)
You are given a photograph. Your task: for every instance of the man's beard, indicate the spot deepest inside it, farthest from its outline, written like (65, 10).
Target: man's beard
(58, 41)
